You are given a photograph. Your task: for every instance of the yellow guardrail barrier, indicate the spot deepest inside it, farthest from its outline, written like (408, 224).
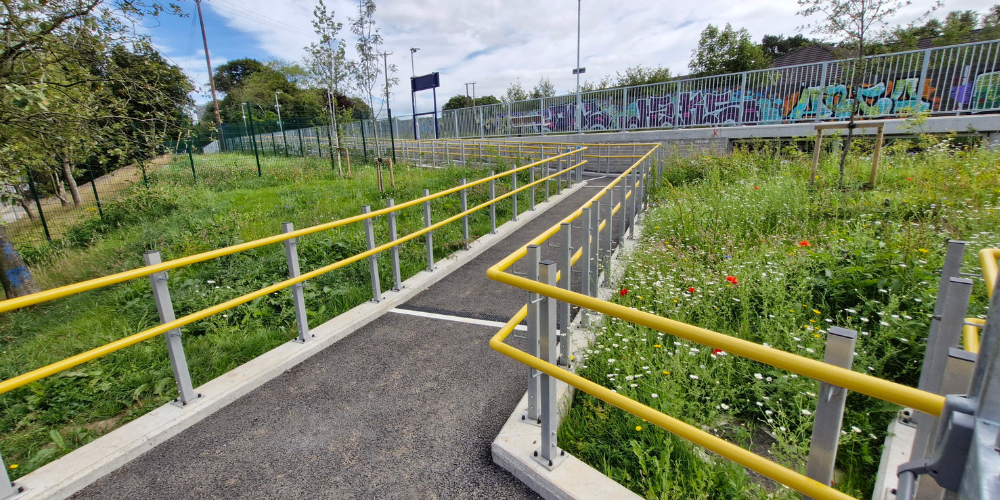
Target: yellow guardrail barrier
(970, 334)
(46, 371)
(865, 384)
(64, 291)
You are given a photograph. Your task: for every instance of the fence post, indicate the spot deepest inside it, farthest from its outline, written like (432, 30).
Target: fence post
(565, 279)
(299, 301)
(609, 206)
(194, 174)
(585, 242)
(428, 237)
(533, 259)
(464, 164)
(549, 453)
(595, 234)
(93, 186)
(38, 204)
(950, 323)
(253, 140)
(622, 208)
(364, 143)
(634, 186)
(7, 488)
(302, 151)
(923, 77)
(372, 259)
(545, 174)
(397, 278)
(465, 218)
(493, 206)
(175, 348)
(531, 181)
(830, 408)
(513, 198)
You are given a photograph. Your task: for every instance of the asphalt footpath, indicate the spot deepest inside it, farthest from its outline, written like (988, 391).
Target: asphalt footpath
(405, 407)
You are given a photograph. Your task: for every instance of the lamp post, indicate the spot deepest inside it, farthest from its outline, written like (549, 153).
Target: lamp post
(413, 95)
(281, 126)
(578, 70)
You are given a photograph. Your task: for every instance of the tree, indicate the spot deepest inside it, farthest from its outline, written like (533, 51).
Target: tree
(635, 75)
(233, 73)
(544, 88)
(856, 22)
(776, 46)
(515, 92)
(368, 67)
(464, 101)
(327, 62)
(726, 51)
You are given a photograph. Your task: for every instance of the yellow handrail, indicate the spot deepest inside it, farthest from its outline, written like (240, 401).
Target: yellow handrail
(67, 290)
(59, 366)
(970, 334)
(697, 436)
(858, 382)
(988, 259)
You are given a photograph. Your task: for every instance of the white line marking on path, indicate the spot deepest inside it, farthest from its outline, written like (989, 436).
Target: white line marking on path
(459, 319)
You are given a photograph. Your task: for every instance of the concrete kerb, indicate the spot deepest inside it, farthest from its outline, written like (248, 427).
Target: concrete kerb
(87, 464)
(513, 447)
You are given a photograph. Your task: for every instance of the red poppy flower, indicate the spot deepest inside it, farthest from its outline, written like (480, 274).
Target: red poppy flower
(732, 279)
(718, 352)
(755, 188)
(804, 243)
(691, 290)
(623, 292)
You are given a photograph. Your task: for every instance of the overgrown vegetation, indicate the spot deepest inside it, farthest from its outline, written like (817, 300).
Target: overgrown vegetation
(53, 416)
(741, 245)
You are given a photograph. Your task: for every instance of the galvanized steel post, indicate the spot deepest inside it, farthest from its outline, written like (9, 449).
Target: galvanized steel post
(531, 192)
(533, 258)
(372, 259)
(298, 300)
(397, 277)
(830, 407)
(621, 211)
(428, 237)
(565, 279)
(7, 488)
(609, 205)
(513, 198)
(585, 243)
(175, 348)
(595, 234)
(545, 174)
(465, 218)
(493, 206)
(632, 214)
(549, 450)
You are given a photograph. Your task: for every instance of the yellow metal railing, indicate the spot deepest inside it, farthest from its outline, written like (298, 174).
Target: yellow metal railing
(970, 332)
(854, 381)
(46, 371)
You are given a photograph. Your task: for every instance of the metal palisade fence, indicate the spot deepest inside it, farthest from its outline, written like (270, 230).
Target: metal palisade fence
(946, 80)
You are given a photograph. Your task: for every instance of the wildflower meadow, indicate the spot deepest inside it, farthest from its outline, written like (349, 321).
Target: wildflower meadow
(743, 245)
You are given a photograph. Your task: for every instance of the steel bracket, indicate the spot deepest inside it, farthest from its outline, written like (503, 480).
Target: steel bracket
(947, 462)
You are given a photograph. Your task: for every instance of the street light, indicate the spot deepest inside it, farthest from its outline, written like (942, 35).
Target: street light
(281, 126)
(413, 69)
(578, 70)
(413, 95)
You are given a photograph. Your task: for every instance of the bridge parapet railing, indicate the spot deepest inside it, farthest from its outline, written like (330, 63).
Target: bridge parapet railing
(948, 80)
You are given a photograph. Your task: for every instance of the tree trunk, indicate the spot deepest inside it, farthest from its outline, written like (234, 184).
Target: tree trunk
(847, 148)
(24, 193)
(15, 276)
(60, 189)
(68, 175)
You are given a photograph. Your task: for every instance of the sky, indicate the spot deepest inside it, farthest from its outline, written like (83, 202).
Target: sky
(490, 42)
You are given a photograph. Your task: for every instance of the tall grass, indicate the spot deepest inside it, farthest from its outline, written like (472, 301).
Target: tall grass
(743, 245)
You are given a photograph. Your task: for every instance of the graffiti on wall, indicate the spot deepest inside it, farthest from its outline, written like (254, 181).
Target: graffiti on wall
(730, 107)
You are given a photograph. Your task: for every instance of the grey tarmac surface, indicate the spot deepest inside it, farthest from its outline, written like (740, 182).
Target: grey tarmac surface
(405, 407)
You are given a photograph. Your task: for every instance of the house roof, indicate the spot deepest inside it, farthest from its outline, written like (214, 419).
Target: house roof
(806, 55)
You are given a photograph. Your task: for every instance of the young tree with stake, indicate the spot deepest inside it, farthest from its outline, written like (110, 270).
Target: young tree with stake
(327, 63)
(366, 70)
(857, 21)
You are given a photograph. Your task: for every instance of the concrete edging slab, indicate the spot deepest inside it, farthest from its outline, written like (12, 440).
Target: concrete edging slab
(83, 466)
(513, 447)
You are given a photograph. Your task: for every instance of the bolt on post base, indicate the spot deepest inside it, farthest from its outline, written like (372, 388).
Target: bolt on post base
(558, 457)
